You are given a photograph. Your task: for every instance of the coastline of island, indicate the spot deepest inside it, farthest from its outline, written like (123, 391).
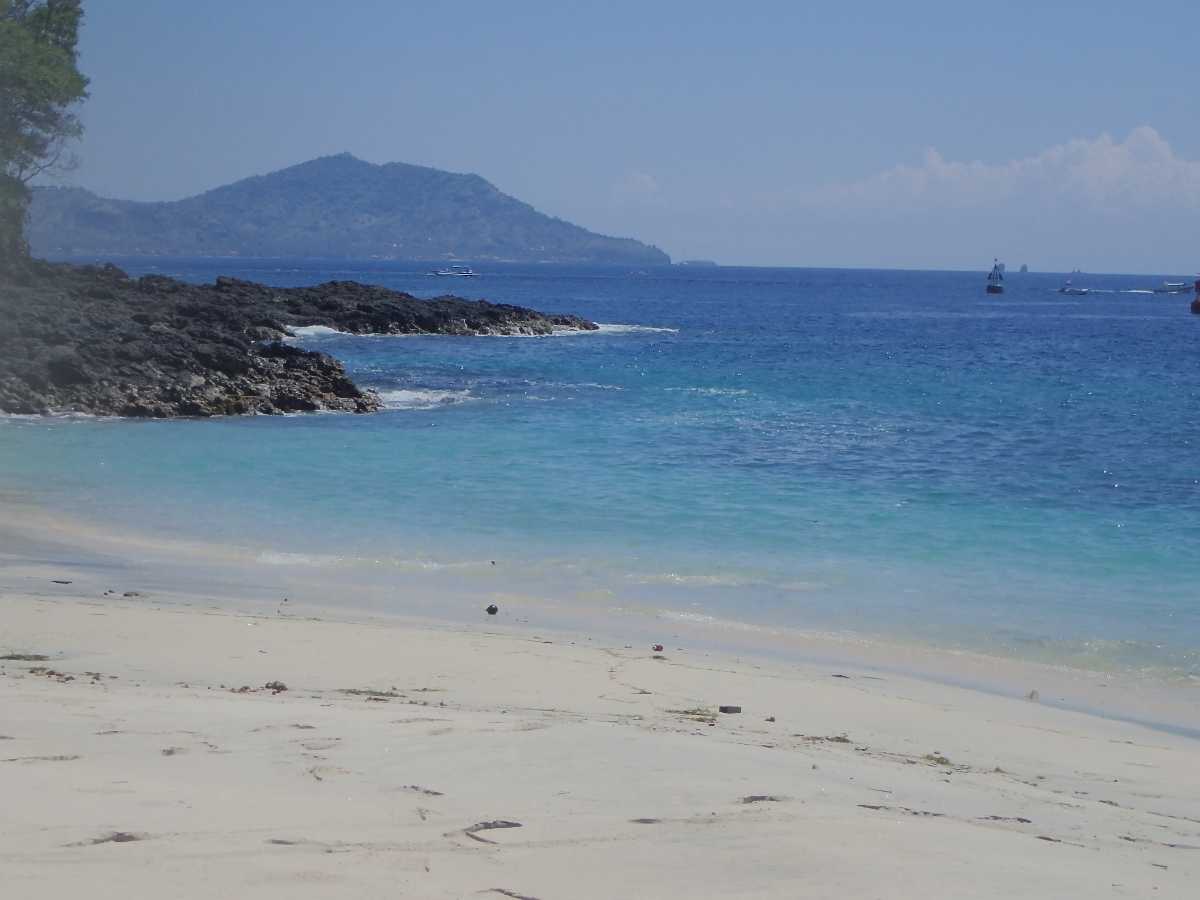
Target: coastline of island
(91, 339)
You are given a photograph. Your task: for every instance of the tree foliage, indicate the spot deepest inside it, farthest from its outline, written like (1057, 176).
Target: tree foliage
(40, 84)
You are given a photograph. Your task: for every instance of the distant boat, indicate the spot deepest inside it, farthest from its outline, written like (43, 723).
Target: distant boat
(1173, 287)
(1069, 288)
(1024, 268)
(995, 279)
(458, 271)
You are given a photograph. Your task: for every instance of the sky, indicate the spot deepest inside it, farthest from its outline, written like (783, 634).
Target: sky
(923, 134)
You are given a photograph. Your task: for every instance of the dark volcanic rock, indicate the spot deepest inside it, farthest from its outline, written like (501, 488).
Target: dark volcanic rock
(91, 339)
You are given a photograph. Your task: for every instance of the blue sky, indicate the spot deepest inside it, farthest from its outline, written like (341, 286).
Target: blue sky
(922, 134)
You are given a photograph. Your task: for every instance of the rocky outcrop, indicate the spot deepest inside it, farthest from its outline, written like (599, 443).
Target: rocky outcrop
(92, 339)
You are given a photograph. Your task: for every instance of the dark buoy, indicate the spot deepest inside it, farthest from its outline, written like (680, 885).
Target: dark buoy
(493, 609)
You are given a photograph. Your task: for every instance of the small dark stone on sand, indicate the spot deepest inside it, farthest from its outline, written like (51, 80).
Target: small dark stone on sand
(729, 710)
(58, 581)
(275, 687)
(493, 609)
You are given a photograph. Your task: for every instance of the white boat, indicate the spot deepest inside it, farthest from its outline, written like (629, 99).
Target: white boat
(995, 279)
(457, 271)
(1173, 287)
(1069, 288)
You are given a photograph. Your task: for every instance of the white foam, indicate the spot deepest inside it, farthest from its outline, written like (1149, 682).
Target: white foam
(617, 328)
(713, 391)
(58, 416)
(695, 618)
(406, 399)
(303, 331)
(278, 558)
(694, 580)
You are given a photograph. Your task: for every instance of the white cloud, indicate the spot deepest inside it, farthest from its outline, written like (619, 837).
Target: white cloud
(635, 186)
(1099, 175)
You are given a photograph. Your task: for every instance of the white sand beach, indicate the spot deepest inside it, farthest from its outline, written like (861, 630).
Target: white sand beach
(144, 757)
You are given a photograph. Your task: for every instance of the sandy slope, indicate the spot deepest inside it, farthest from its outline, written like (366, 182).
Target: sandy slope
(322, 791)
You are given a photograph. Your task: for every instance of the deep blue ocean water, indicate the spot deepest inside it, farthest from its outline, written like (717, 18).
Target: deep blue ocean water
(881, 452)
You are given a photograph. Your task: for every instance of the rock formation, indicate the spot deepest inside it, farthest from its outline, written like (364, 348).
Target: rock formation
(91, 339)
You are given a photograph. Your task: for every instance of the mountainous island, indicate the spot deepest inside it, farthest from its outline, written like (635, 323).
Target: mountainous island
(331, 207)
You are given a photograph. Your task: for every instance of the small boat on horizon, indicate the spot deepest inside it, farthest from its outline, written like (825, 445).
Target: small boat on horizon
(456, 271)
(995, 279)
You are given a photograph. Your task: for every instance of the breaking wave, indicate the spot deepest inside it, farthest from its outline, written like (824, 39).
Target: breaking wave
(303, 331)
(630, 329)
(410, 399)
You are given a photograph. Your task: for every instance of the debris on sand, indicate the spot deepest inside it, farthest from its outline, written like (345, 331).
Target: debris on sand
(696, 714)
(488, 826)
(113, 837)
(417, 789)
(369, 693)
(842, 738)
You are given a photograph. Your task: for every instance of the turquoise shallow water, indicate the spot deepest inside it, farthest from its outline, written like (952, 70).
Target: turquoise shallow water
(882, 452)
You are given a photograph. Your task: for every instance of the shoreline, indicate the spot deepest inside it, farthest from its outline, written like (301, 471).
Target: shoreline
(180, 572)
(188, 751)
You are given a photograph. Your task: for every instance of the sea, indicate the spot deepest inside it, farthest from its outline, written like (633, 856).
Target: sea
(879, 454)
